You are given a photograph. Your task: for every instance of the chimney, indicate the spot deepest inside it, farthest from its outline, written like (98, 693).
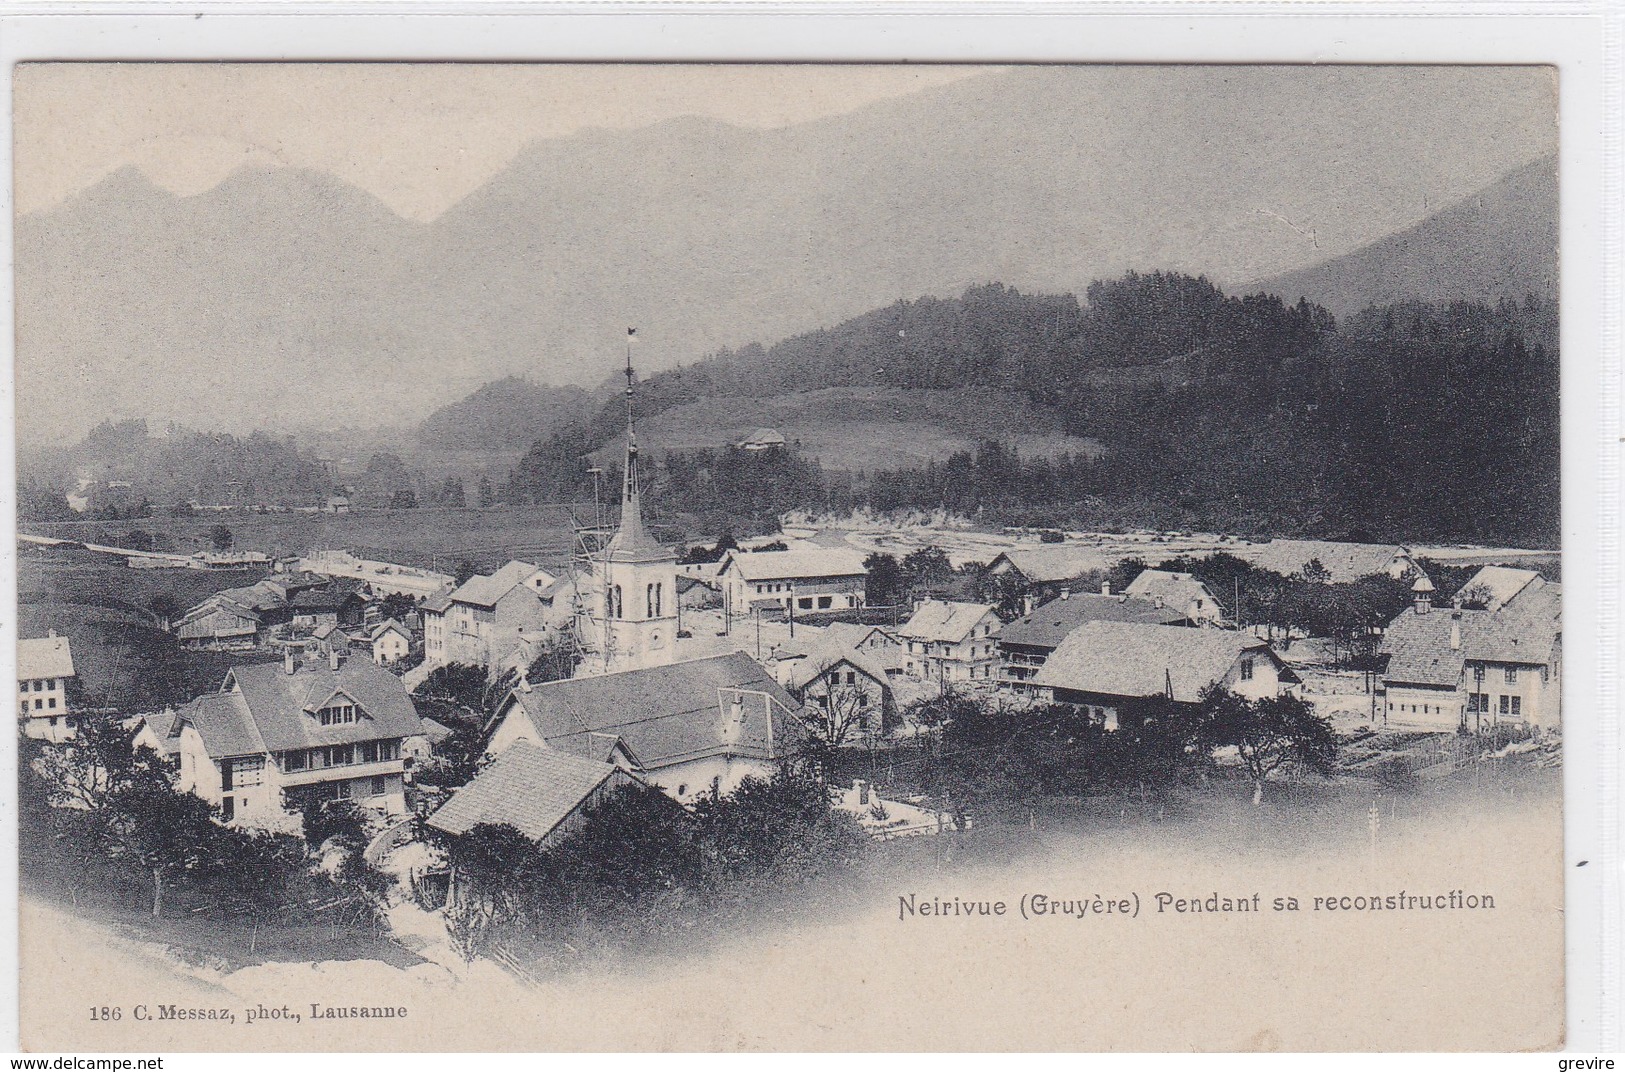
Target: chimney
(524, 684)
(733, 720)
(1105, 588)
(1026, 604)
(288, 665)
(51, 633)
(1066, 593)
(333, 658)
(1455, 631)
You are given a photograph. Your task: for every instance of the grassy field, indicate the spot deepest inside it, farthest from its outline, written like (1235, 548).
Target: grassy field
(865, 428)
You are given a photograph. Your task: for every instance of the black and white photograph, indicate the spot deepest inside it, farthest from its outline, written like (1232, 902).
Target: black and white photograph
(649, 557)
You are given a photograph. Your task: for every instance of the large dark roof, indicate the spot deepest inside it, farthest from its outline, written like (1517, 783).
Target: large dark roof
(280, 706)
(1420, 653)
(1130, 659)
(529, 787)
(1047, 626)
(667, 714)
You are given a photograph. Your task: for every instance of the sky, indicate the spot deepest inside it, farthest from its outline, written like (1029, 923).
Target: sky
(417, 136)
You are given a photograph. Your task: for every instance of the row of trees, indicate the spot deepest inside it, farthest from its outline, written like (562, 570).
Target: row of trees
(979, 754)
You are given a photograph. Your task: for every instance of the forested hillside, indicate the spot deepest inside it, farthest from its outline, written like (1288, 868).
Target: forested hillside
(495, 415)
(1410, 421)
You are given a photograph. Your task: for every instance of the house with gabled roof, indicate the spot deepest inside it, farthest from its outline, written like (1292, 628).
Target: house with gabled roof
(1105, 666)
(274, 736)
(947, 641)
(480, 622)
(802, 582)
(835, 675)
(1026, 643)
(391, 642)
(1044, 572)
(691, 728)
(1180, 592)
(539, 791)
(1342, 563)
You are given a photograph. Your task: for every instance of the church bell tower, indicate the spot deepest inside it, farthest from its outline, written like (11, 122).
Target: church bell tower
(637, 599)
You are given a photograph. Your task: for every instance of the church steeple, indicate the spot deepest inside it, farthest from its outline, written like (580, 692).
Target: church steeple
(631, 541)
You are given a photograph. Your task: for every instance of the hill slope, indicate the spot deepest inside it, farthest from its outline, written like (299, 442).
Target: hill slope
(1500, 242)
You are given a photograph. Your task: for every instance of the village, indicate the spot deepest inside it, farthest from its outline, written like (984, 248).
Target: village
(443, 734)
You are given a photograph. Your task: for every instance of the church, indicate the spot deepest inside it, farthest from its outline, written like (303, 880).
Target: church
(627, 613)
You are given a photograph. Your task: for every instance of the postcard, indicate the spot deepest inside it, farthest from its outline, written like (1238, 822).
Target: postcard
(577, 556)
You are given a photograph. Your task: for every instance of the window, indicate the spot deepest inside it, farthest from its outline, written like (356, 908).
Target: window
(1512, 675)
(228, 809)
(825, 602)
(39, 705)
(805, 602)
(293, 761)
(1246, 669)
(615, 601)
(52, 703)
(851, 677)
(249, 771)
(380, 785)
(338, 714)
(39, 686)
(1506, 707)
(1517, 707)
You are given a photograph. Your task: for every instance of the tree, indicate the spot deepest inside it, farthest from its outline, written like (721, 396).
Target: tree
(451, 492)
(403, 499)
(465, 569)
(220, 537)
(833, 718)
(927, 568)
(487, 494)
(1267, 734)
(886, 583)
(166, 833)
(397, 605)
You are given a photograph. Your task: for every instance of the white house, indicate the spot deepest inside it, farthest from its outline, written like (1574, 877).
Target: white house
(1026, 643)
(391, 641)
(44, 666)
(806, 581)
(691, 728)
(1105, 666)
(1450, 668)
(274, 736)
(1181, 592)
(952, 641)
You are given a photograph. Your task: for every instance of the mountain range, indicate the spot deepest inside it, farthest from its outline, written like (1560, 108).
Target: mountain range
(285, 297)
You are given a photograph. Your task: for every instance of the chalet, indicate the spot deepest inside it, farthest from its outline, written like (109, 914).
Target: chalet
(275, 736)
(762, 439)
(539, 791)
(951, 641)
(690, 728)
(485, 618)
(1459, 669)
(44, 667)
(879, 645)
(800, 582)
(1343, 563)
(1181, 592)
(391, 642)
(1106, 666)
(1043, 572)
(1027, 642)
